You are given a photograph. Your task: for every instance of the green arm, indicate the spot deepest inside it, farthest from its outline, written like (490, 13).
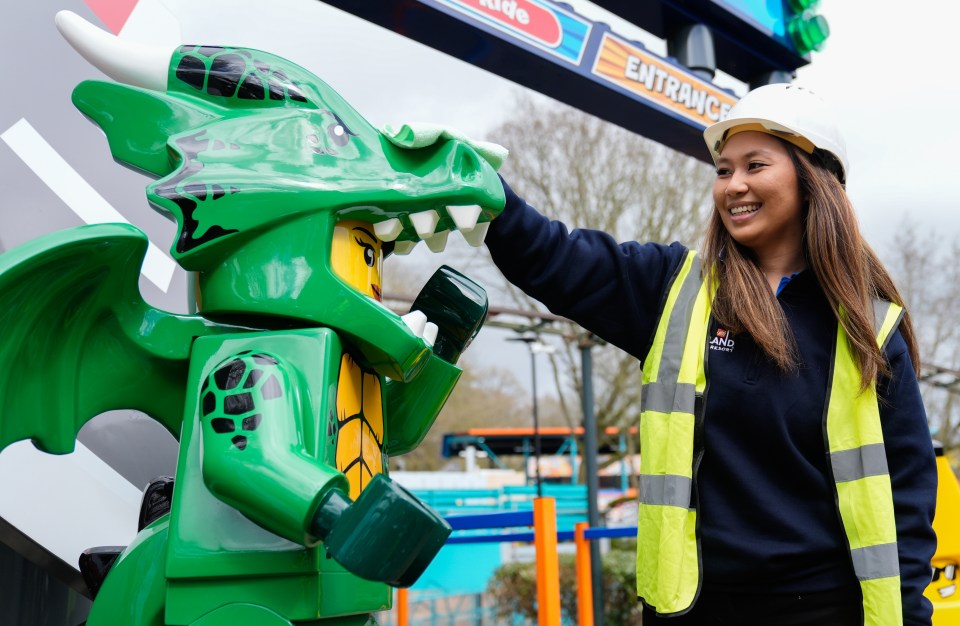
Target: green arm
(413, 407)
(458, 306)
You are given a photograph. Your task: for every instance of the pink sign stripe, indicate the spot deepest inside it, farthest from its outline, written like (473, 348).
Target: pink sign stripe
(113, 13)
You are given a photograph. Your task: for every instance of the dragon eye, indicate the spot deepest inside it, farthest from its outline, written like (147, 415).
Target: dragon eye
(338, 134)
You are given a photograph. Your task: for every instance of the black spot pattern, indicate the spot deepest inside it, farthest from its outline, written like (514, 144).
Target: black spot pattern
(230, 375)
(237, 385)
(223, 425)
(252, 378)
(276, 90)
(191, 146)
(209, 403)
(271, 389)
(225, 73)
(192, 71)
(209, 51)
(295, 94)
(252, 88)
(238, 404)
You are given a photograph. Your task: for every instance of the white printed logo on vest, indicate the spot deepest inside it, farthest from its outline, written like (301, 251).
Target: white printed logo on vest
(723, 341)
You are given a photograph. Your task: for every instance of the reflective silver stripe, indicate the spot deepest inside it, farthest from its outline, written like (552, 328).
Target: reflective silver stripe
(666, 395)
(670, 490)
(879, 561)
(880, 308)
(669, 397)
(869, 460)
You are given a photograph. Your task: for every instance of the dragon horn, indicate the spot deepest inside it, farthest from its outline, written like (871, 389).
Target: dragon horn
(127, 62)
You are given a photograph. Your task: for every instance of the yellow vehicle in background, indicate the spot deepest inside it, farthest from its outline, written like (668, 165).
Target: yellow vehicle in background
(942, 591)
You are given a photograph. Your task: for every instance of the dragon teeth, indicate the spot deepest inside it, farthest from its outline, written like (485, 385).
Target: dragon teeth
(425, 222)
(404, 247)
(465, 217)
(437, 242)
(430, 334)
(416, 321)
(476, 236)
(388, 230)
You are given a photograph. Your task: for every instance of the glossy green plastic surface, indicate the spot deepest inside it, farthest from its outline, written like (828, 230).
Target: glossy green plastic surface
(74, 321)
(291, 369)
(387, 534)
(240, 161)
(133, 592)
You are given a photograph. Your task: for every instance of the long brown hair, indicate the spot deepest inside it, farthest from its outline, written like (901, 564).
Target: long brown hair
(849, 272)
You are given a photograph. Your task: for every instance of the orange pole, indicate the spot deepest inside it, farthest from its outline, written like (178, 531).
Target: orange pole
(403, 607)
(584, 580)
(548, 563)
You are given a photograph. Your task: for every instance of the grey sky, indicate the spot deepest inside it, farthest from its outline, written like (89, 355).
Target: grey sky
(886, 75)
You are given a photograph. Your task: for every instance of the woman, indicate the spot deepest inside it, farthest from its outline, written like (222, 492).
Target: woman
(787, 472)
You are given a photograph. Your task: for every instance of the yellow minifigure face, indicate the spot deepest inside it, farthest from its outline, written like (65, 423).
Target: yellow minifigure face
(356, 257)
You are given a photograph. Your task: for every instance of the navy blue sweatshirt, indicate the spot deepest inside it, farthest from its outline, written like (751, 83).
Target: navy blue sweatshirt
(768, 521)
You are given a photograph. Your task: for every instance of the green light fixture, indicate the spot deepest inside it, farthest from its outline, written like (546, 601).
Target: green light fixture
(808, 30)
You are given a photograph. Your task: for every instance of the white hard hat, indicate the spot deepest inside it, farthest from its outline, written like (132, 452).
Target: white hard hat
(793, 113)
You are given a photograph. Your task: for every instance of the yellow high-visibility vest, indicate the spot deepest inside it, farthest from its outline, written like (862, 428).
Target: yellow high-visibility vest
(674, 380)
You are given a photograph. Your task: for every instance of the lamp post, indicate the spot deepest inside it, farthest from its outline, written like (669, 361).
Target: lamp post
(536, 347)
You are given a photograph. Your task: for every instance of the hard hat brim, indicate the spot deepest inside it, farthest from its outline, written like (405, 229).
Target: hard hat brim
(716, 135)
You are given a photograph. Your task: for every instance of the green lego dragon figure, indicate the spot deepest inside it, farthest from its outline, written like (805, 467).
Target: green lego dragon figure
(293, 384)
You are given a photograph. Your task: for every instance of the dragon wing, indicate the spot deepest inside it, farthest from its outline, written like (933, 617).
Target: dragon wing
(77, 338)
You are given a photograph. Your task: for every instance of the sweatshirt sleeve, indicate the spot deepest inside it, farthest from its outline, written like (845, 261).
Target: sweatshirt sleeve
(614, 290)
(913, 475)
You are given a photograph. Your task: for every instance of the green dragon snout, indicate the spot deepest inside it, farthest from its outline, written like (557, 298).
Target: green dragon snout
(242, 141)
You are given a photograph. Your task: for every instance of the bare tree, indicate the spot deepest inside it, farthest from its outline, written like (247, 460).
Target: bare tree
(927, 273)
(588, 173)
(488, 397)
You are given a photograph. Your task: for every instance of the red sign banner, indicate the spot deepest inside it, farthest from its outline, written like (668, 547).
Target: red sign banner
(522, 16)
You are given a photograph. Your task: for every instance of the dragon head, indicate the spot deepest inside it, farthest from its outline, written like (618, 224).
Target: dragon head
(258, 161)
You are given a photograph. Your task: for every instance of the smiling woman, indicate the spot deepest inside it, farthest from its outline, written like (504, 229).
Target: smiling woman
(759, 203)
(787, 474)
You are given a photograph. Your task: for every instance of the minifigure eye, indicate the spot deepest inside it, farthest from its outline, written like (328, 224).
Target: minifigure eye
(369, 254)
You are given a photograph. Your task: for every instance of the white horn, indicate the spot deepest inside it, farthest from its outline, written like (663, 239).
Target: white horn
(124, 61)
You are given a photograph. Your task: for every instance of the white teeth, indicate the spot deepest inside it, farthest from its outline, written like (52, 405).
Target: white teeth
(476, 236)
(388, 230)
(465, 217)
(744, 209)
(430, 334)
(404, 247)
(416, 321)
(425, 222)
(437, 242)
